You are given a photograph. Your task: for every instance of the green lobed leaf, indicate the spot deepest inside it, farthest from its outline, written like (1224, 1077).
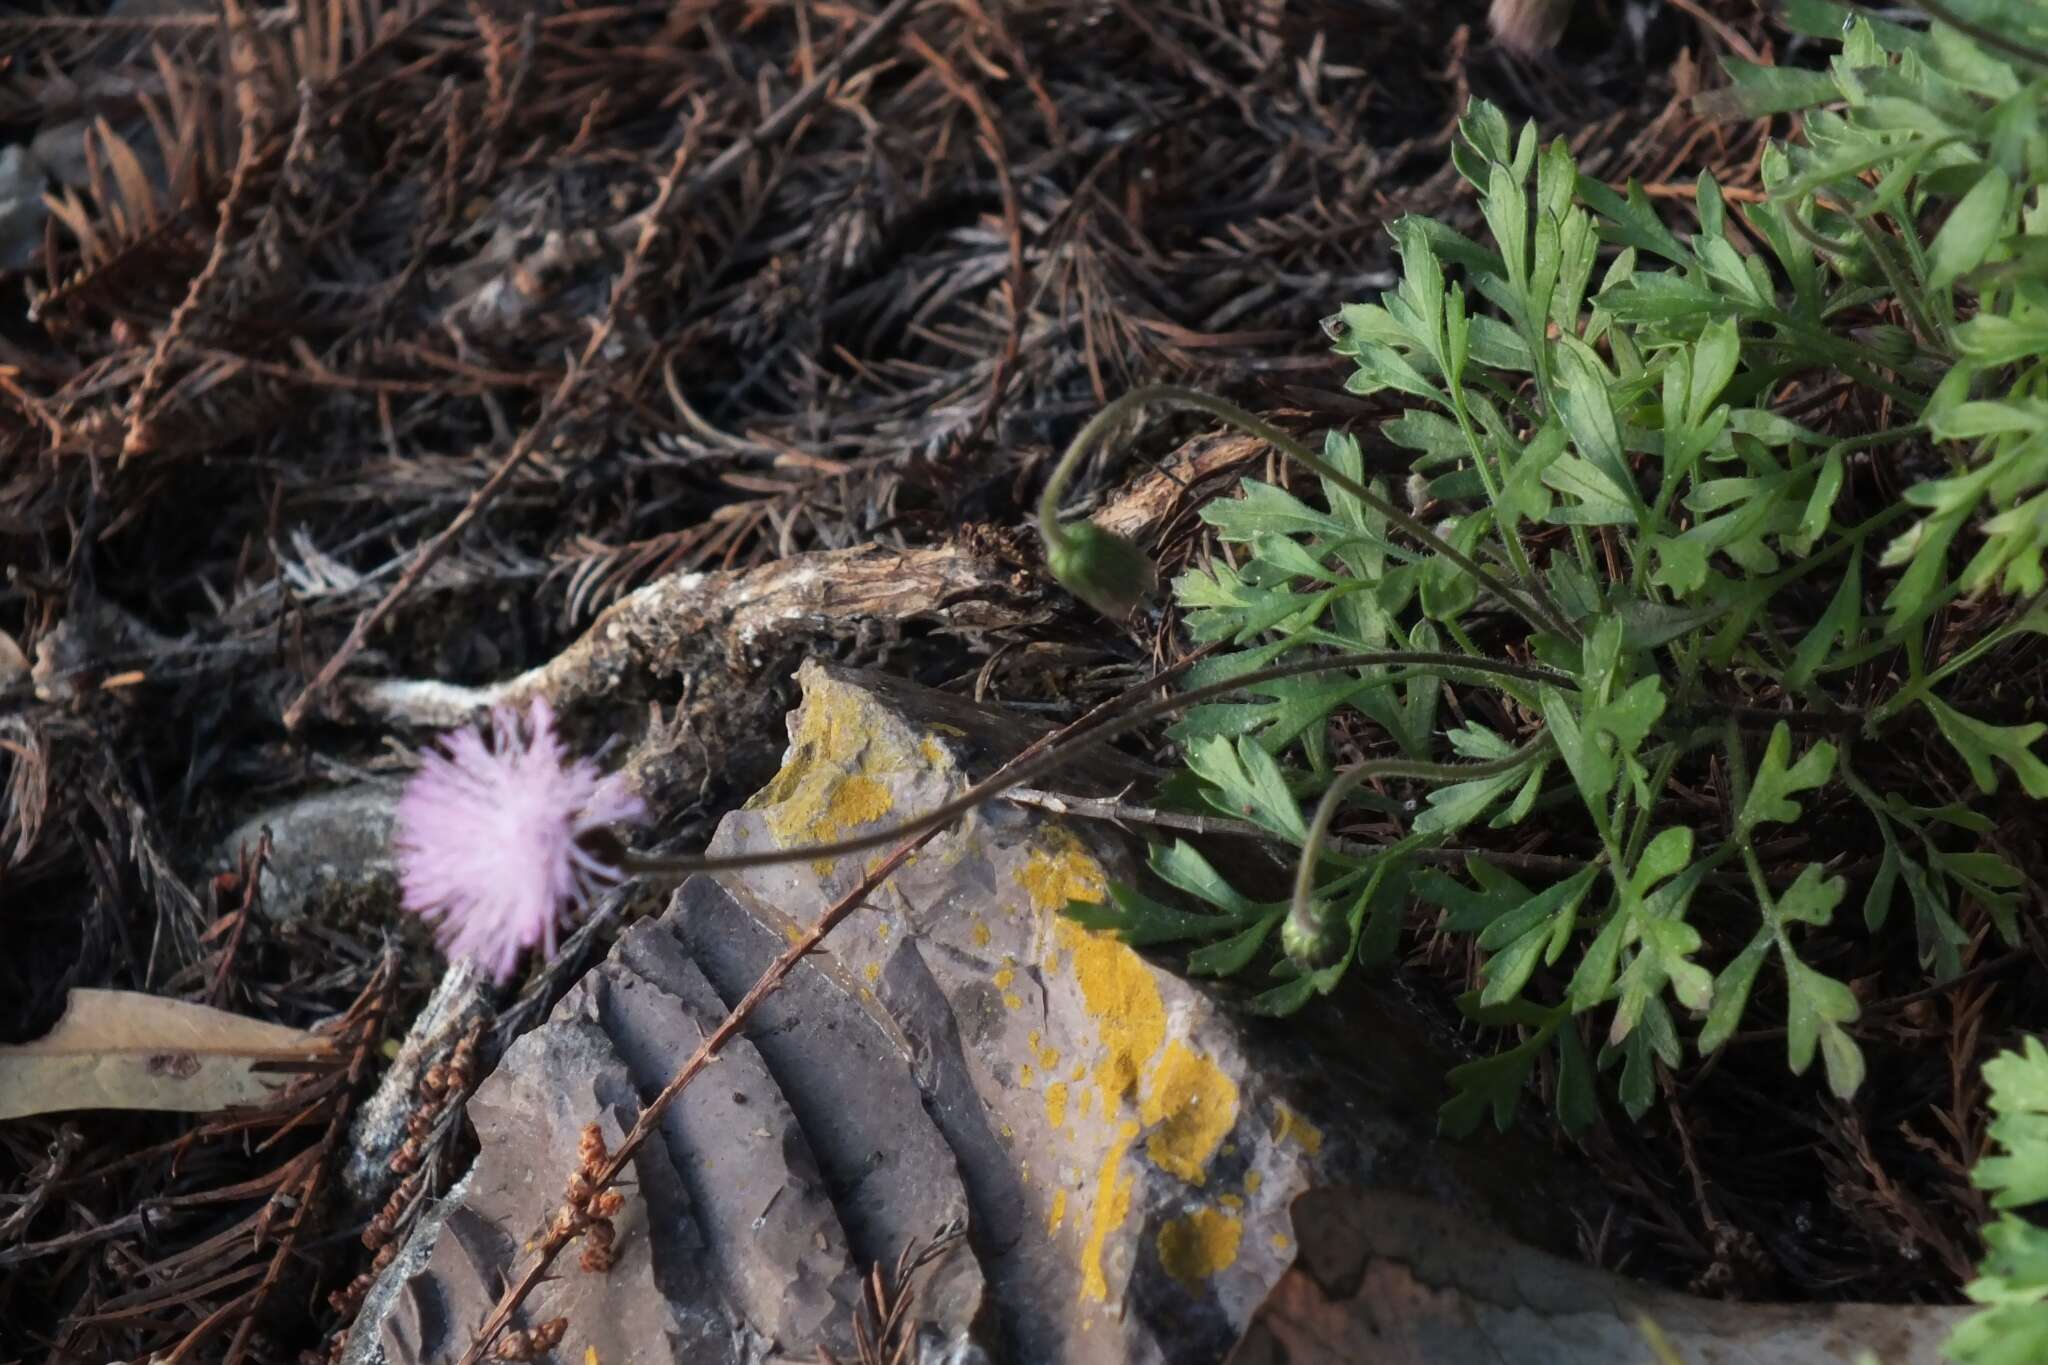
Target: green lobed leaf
(1776, 781)
(1981, 744)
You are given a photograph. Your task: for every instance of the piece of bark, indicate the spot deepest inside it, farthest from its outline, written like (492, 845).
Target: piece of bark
(719, 648)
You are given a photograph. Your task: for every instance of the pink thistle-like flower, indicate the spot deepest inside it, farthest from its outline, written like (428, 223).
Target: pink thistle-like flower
(497, 837)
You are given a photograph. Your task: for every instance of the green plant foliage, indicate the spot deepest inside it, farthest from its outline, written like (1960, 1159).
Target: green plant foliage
(1594, 407)
(2012, 1279)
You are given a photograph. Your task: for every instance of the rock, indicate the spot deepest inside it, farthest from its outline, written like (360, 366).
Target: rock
(774, 1237)
(1429, 1288)
(332, 846)
(1122, 1147)
(21, 211)
(461, 1001)
(657, 1302)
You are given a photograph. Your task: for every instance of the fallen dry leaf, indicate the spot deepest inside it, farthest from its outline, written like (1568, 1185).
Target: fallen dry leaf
(130, 1050)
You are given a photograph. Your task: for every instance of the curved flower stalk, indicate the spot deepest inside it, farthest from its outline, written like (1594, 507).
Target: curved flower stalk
(1304, 934)
(1100, 567)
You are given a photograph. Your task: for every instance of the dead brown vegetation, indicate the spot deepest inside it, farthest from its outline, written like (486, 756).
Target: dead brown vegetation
(475, 316)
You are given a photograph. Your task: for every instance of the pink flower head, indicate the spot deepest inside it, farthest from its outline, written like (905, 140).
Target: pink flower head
(494, 837)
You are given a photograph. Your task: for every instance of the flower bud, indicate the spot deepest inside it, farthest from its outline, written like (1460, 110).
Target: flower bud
(1313, 940)
(1101, 568)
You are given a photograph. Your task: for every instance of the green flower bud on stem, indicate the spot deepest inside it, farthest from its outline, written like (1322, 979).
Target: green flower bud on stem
(1312, 935)
(1093, 574)
(1102, 568)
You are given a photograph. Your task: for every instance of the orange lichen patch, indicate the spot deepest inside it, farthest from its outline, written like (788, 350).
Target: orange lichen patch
(1059, 1212)
(1056, 1104)
(1024, 1074)
(1004, 977)
(1290, 1126)
(1230, 1201)
(1190, 1106)
(1200, 1245)
(1112, 1206)
(1120, 996)
(1252, 1181)
(590, 1355)
(873, 971)
(981, 934)
(1281, 1241)
(931, 751)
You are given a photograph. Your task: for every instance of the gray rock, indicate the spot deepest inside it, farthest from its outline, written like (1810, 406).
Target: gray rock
(461, 1000)
(658, 1301)
(1122, 1148)
(21, 208)
(332, 846)
(770, 1231)
(1429, 1288)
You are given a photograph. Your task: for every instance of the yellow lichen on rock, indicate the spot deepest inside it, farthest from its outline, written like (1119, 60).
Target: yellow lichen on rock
(840, 751)
(1064, 872)
(1122, 999)
(1056, 1104)
(1112, 1206)
(1290, 1126)
(1200, 1245)
(1190, 1106)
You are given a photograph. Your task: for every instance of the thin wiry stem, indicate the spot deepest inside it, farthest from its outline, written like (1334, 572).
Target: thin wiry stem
(1098, 728)
(1300, 911)
(1529, 602)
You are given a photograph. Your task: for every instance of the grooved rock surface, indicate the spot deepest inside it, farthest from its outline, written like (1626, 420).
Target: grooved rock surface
(1122, 1149)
